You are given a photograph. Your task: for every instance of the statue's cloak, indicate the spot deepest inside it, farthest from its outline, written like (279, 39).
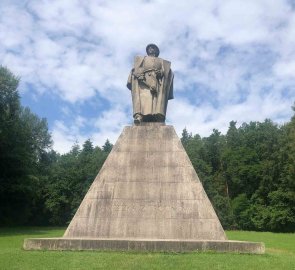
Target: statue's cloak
(143, 101)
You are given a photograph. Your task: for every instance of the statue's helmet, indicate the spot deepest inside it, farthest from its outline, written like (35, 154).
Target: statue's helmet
(155, 47)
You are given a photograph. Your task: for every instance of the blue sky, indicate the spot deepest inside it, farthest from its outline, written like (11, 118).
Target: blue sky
(232, 59)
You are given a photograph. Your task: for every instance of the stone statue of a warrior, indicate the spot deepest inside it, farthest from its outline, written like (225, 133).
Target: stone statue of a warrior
(151, 85)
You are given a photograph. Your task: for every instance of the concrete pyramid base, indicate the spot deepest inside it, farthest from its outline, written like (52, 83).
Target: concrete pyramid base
(147, 189)
(149, 245)
(147, 196)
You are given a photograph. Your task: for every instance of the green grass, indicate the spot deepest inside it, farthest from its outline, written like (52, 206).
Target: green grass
(280, 254)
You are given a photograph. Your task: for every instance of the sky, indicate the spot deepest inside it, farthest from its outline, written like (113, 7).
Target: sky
(232, 60)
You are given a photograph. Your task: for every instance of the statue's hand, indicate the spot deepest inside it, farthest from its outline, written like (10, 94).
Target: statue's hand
(139, 76)
(153, 90)
(159, 74)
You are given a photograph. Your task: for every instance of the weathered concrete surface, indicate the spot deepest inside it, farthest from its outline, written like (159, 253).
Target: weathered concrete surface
(147, 189)
(143, 245)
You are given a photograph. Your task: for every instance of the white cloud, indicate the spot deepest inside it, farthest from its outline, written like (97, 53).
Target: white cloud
(107, 126)
(112, 119)
(285, 69)
(203, 119)
(63, 137)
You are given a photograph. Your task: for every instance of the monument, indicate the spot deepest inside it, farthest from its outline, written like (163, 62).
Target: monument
(147, 196)
(151, 85)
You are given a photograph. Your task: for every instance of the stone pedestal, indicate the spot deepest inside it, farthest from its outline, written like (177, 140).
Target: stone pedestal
(147, 196)
(148, 245)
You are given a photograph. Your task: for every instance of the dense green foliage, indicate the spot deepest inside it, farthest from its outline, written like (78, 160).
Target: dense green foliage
(24, 139)
(37, 185)
(280, 254)
(69, 178)
(248, 173)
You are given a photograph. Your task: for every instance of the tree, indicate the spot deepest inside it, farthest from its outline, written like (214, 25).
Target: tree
(87, 147)
(70, 178)
(107, 147)
(185, 137)
(281, 208)
(9, 98)
(23, 139)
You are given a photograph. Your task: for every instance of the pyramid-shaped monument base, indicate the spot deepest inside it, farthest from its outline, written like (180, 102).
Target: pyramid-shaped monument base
(147, 196)
(147, 189)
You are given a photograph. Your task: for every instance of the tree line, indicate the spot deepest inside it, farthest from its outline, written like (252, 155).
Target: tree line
(248, 173)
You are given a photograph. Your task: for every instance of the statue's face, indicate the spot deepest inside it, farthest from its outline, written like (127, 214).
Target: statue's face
(151, 51)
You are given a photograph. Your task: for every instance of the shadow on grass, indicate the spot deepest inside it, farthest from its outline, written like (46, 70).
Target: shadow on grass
(6, 231)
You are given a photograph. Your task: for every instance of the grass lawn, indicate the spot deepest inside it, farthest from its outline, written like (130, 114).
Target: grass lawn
(280, 254)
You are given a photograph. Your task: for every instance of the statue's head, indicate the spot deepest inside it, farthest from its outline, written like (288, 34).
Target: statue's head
(152, 50)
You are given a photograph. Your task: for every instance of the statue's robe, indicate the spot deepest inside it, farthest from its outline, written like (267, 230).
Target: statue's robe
(149, 105)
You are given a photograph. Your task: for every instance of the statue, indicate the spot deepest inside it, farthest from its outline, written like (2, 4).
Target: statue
(151, 85)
